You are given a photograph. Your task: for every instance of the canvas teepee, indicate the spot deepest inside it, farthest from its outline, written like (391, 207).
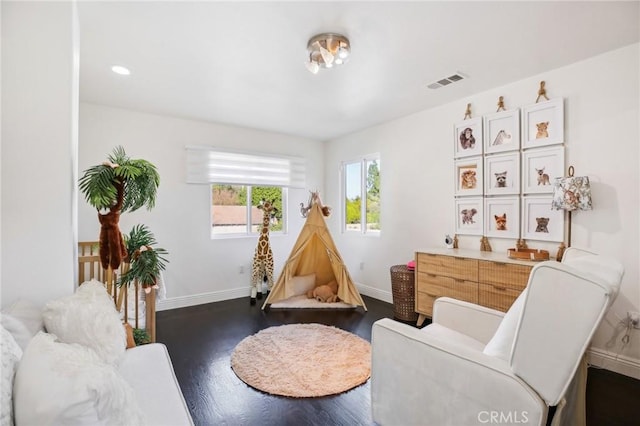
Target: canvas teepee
(315, 252)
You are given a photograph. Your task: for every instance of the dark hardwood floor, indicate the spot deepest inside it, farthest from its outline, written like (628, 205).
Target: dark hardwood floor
(200, 340)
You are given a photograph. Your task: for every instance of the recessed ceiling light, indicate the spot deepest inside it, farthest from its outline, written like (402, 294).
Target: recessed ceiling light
(118, 69)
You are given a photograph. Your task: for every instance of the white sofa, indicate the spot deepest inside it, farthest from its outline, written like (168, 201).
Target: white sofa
(474, 365)
(78, 372)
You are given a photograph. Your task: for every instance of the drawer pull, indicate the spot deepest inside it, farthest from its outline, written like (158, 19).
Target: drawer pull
(431, 275)
(500, 263)
(500, 288)
(458, 280)
(431, 295)
(431, 254)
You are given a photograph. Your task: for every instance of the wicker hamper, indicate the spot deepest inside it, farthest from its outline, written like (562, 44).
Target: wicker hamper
(403, 290)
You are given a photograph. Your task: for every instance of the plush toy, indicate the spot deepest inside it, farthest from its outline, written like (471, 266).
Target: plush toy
(325, 293)
(112, 248)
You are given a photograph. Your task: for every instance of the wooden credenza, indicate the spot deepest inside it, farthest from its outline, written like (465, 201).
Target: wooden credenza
(486, 278)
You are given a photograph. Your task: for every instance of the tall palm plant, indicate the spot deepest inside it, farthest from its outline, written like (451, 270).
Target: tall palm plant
(116, 186)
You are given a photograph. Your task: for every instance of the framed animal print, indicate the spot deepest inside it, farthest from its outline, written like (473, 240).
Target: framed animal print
(543, 124)
(539, 169)
(540, 221)
(469, 216)
(502, 217)
(467, 137)
(468, 176)
(502, 131)
(502, 174)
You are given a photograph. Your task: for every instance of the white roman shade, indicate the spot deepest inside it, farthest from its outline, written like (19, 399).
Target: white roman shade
(213, 165)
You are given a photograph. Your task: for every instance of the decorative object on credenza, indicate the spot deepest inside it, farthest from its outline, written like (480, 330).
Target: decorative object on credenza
(484, 244)
(528, 254)
(448, 241)
(571, 193)
(455, 241)
(521, 244)
(542, 92)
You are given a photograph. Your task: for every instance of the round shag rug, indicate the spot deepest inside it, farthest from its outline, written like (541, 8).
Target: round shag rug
(302, 360)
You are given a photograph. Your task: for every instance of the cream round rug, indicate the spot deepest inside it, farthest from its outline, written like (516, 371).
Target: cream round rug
(302, 360)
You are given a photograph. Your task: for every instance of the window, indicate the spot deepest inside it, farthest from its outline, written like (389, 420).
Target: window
(238, 182)
(234, 210)
(361, 181)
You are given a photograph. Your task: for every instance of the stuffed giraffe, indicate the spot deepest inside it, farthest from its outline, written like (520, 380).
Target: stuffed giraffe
(262, 268)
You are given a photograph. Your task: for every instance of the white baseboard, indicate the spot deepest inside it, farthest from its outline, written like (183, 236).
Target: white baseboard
(620, 364)
(374, 292)
(202, 298)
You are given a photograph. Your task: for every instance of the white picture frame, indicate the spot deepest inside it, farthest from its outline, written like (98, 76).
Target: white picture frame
(540, 167)
(543, 124)
(469, 217)
(502, 131)
(539, 221)
(468, 176)
(502, 174)
(468, 138)
(502, 217)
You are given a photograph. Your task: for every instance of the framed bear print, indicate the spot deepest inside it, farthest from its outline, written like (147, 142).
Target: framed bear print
(502, 174)
(469, 216)
(540, 167)
(467, 137)
(502, 131)
(543, 124)
(540, 221)
(468, 176)
(502, 217)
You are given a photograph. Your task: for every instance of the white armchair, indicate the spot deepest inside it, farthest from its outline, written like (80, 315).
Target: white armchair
(474, 365)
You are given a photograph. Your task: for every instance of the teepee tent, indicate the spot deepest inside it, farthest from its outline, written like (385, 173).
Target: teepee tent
(316, 253)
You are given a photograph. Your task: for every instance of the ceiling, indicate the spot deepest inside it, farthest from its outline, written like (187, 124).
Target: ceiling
(242, 63)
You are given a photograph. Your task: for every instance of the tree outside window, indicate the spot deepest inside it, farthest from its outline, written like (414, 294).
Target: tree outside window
(235, 212)
(361, 181)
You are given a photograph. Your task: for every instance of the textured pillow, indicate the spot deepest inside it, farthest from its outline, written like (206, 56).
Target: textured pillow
(11, 354)
(89, 318)
(502, 341)
(23, 320)
(68, 384)
(300, 285)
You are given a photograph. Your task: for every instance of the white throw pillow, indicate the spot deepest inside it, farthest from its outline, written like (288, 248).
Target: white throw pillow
(300, 284)
(88, 317)
(11, 354)
(23, 320)
(68, 384)
(502, 341)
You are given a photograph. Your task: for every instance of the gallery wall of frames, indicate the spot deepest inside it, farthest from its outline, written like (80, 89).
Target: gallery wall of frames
(505, 164)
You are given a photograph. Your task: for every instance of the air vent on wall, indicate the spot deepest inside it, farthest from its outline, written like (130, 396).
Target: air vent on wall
(446, 81)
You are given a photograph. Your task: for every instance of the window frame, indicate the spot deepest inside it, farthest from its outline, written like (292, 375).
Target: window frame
(249, 233)
(363, 161)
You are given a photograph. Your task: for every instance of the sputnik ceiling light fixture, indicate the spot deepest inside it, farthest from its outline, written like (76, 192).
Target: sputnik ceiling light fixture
(326, 50)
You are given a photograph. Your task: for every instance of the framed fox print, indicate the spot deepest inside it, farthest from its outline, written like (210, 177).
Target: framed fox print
(543, 124)
(467, 138)
(502, 217)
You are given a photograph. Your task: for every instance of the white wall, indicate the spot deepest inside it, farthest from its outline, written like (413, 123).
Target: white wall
(39, 124)
(200, 269)
(602, 138)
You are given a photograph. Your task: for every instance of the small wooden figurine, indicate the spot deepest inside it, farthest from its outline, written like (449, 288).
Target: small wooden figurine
(542, 92)
(484, 244)
(467, 113)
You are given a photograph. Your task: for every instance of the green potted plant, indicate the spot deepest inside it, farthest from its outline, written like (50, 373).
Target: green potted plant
(146, 261)
(118, 185)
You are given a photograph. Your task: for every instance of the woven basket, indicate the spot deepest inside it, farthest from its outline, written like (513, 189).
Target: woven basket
(403, 290)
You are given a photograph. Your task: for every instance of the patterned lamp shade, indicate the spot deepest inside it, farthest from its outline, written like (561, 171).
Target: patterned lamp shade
(571, 193)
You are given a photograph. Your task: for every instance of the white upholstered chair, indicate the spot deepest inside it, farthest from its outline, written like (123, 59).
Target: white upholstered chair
(474, 365)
